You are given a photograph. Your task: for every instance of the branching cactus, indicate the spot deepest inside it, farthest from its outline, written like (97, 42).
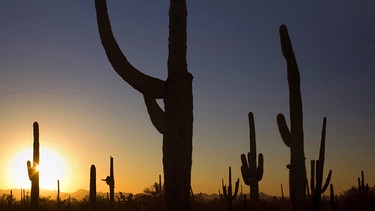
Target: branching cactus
(228, 193)
(175, 121)
(110, 180)
(362, 188)
(252, 174)
(293, 137)
(316, 183)
(92, 188)
(33, 170)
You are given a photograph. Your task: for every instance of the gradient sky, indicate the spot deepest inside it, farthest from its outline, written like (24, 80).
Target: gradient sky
(54, 70)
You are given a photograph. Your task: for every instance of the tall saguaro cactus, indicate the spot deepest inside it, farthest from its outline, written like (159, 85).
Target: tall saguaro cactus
(33, 170)
(92, 188)
(252, 174)
(175, 122)
(293, 138)
(316, 183)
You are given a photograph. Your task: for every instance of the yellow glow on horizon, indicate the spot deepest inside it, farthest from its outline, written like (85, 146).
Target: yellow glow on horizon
(52, 167)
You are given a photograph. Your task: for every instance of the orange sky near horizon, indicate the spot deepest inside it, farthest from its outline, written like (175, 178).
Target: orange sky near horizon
(53, 70)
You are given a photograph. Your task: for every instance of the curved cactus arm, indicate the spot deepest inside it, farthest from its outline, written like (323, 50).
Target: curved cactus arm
(328, 180)
(143, 83)
(283, 129)
(259, 172)
(157, 115)
(245, 170)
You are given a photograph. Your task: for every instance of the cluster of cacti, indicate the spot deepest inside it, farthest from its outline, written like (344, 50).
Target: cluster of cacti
(293, 137)
(33, 170)
(110, 180)
(92, 188)
(362, 188)
(252, 174)
(316, 182)
(228, 193)
(175, 122)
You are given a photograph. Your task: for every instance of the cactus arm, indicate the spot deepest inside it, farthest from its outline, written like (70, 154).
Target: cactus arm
(328, 180)
(245, 170)
(259, 172)
(157, 115)
(283, 129)
(145, 84)
(236, 189)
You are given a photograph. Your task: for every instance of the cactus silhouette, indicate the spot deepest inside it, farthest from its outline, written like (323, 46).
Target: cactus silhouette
(362, 188)
(110, 180)
(33, 170)
(293, 138)
(175, 122)
(228, 193)
(92, 188)
(316, 183)
(252, 174)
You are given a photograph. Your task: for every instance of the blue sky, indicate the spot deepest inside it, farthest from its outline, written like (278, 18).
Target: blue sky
(53, 70)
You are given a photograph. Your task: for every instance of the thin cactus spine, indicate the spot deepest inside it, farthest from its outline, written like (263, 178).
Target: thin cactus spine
(252, 174)
(33, 171)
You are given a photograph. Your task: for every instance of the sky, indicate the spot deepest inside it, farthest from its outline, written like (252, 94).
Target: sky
(53, 70)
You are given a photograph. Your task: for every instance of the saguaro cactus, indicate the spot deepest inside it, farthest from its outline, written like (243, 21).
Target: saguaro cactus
(110, 180)
(293, 138)
(175, 122)
(316, 183)
(92, 188)
(33, 170)
(252, 174)
(228, 193)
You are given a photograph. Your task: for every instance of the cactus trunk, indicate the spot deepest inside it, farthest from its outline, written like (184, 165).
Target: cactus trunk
(294, 137)
(33, 170)
(92, 188)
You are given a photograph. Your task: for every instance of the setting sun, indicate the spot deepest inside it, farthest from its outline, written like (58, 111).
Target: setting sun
(53, 166)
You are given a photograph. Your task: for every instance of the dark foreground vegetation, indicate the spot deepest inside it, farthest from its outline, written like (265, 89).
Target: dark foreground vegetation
(150, 200)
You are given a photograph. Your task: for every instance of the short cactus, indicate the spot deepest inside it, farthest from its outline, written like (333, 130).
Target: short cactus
(33, 170)
(252, 174)
(228, 193)
(316, 183)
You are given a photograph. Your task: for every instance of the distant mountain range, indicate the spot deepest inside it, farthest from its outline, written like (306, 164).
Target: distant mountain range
(80, 194)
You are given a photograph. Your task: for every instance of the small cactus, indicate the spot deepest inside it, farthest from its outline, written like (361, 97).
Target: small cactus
(317, 187)
(228, 193)
(33, 170)
(110, 180)
(252, 174)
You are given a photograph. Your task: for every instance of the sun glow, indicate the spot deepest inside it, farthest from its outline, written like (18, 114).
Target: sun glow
(52, 167)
